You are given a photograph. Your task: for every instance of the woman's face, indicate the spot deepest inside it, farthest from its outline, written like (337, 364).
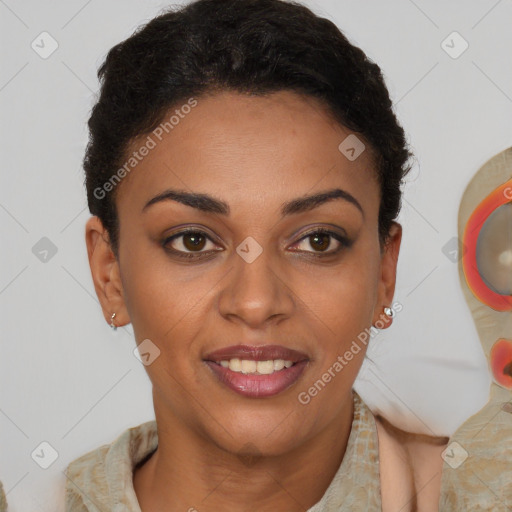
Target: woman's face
(251, 272)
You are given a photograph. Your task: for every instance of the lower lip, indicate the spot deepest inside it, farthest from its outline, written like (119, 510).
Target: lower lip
(258, 386)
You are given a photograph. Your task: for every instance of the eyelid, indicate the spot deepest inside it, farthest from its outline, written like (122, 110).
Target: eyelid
(188, 254)
(191, 229)
(337, 231)
(341, 238)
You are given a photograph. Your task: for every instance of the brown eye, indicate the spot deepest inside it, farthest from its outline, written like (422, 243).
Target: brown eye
(193, 241)
(320, 241)
(189, 244)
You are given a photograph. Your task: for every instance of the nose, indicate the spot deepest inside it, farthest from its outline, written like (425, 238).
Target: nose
(257, 291)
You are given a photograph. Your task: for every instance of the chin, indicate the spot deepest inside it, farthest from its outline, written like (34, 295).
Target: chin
(265, 436)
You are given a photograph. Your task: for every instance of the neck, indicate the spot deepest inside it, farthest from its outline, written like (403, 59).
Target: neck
(189, 472)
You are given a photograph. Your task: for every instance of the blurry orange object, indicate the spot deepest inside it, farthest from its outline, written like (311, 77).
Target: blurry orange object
(498, 197)
(501, 362)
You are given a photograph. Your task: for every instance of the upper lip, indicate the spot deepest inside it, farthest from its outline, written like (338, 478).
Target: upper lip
(256, 353)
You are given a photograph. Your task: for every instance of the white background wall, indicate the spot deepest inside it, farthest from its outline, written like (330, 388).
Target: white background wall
(68, 380)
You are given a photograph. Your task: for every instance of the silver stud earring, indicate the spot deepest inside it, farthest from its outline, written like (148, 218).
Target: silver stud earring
(389, 312)
(112, 322)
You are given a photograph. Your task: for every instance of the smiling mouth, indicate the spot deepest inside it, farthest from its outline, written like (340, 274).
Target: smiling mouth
(257, 372)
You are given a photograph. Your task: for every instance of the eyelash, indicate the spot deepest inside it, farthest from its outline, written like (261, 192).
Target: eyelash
(344, 243)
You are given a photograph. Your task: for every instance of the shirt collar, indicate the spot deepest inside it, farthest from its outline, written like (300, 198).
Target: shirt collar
(102, 480)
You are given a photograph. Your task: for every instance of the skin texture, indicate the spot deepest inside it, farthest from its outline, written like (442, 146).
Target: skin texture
(253, 153)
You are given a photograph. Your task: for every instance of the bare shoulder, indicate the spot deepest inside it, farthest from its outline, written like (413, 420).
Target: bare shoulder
(410, 468)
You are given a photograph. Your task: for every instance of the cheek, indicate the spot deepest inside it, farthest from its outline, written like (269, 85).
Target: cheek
(170, 314)
(344, 297)
(162, 301)
(343, 304)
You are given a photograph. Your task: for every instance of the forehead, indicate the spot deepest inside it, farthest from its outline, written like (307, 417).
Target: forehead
(262, 149)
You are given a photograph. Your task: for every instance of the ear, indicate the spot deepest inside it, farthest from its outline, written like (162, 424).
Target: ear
(387, 277)
(105, 272)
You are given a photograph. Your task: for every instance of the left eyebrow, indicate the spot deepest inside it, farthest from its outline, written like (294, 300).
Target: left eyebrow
(202, 202)
(307, 203)
(210, 204)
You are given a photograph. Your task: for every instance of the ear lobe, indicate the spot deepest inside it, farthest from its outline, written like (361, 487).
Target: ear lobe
(388, 265)
(105, 272)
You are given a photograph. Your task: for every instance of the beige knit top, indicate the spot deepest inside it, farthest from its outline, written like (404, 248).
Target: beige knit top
(102, 480)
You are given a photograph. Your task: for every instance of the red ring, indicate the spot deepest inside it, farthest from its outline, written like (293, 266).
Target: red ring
(498, 197)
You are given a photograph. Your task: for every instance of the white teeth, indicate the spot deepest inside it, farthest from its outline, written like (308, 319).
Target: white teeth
(265, 367)
(248, 366)
(235, 365)
(255, 367)
(278, 364)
